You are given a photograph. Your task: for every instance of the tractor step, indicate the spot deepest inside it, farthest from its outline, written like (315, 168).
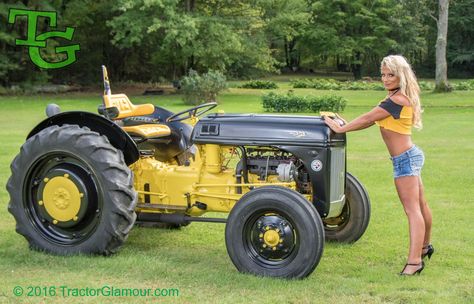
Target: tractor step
(176, 218)
(156, 207)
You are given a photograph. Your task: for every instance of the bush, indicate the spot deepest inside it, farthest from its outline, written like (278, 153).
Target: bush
(203, 88)
(332, 84)
(319, 84)
(464, 85)
(332, 103)
(426, 86)
(289, 102)
(301, 83)
(259, 84)
(362, 85)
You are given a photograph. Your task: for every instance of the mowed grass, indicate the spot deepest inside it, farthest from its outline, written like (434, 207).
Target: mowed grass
(194, 259)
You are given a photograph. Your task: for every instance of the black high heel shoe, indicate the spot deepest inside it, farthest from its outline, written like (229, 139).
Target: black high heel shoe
(418, 271)
(429, 251)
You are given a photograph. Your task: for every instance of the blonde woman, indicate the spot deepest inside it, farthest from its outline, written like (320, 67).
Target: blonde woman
(396, 115)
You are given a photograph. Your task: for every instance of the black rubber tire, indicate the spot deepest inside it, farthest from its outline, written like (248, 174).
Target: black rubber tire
(109, 204)
(307, 233)
(355, 217)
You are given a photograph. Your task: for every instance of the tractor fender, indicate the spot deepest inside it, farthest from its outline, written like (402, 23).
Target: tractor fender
(116, 136)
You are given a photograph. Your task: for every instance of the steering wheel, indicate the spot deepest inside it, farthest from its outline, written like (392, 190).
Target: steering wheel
(194, 111)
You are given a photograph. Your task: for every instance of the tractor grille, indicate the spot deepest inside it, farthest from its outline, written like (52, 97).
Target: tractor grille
(338, 168)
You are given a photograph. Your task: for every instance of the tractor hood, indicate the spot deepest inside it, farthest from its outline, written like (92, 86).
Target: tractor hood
(253, 129)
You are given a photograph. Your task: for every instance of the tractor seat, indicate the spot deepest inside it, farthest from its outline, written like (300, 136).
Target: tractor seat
(125, 107)
(141, 126)
(148, 130)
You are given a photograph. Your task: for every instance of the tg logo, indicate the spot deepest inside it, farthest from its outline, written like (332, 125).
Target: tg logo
(35, 42)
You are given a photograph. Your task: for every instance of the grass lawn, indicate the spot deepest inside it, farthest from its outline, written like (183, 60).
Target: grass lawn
(194, 259)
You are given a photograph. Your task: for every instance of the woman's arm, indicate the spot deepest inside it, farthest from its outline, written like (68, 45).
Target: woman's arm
(364, 121)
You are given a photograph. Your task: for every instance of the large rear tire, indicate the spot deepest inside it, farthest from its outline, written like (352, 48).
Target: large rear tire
(71, 192)
(274, 231)
(351, 224)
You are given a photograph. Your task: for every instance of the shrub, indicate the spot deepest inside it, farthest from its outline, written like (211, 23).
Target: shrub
(362, 85)
(289, 102)
(259, 84)
(426, 86)
(326, 84)
(332, 84)
(203, 88)
(464, 85)
(320, 84)
(332, 103)
(301, 83)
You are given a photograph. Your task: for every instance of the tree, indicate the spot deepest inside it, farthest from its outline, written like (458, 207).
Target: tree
(442, 84)
(181, 35)
(285, 22)
(15, 63)
(460, 46)
(8, 64)
(351, 32)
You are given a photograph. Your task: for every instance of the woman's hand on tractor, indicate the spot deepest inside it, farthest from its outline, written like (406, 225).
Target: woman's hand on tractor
(333, 124)
(344, 122)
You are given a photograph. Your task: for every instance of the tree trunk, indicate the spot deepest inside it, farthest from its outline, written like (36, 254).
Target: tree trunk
(293, 55)
(442, 84)
(189, 62)
(287, 54)
(356, 66)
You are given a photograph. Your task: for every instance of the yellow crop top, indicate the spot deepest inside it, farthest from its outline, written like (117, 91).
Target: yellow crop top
(400, 119)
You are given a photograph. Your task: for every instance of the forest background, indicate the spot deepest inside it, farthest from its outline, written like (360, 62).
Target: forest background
(161, 40)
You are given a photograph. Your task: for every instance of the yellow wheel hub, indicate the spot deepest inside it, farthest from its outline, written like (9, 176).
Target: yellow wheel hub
(61, 199)
(271, 238)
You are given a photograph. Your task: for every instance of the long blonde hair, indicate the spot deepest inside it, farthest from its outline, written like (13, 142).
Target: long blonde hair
(400, 67)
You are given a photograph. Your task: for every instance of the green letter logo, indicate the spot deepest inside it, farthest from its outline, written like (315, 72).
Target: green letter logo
(35, 42)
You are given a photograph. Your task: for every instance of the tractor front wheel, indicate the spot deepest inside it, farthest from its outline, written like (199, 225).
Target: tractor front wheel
(351, 224)
(71, 192)
(274, 231)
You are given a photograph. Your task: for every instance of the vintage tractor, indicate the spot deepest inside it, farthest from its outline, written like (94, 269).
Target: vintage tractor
(82, 180)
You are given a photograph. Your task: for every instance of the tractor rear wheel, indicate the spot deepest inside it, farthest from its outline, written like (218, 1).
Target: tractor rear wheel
(71, 192)
(351, 224)
(274, 231)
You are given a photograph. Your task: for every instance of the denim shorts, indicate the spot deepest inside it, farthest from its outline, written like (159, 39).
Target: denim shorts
(409, 163)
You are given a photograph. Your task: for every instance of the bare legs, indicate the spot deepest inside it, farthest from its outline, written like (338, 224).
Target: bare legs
(411, 193)
(426, 212)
